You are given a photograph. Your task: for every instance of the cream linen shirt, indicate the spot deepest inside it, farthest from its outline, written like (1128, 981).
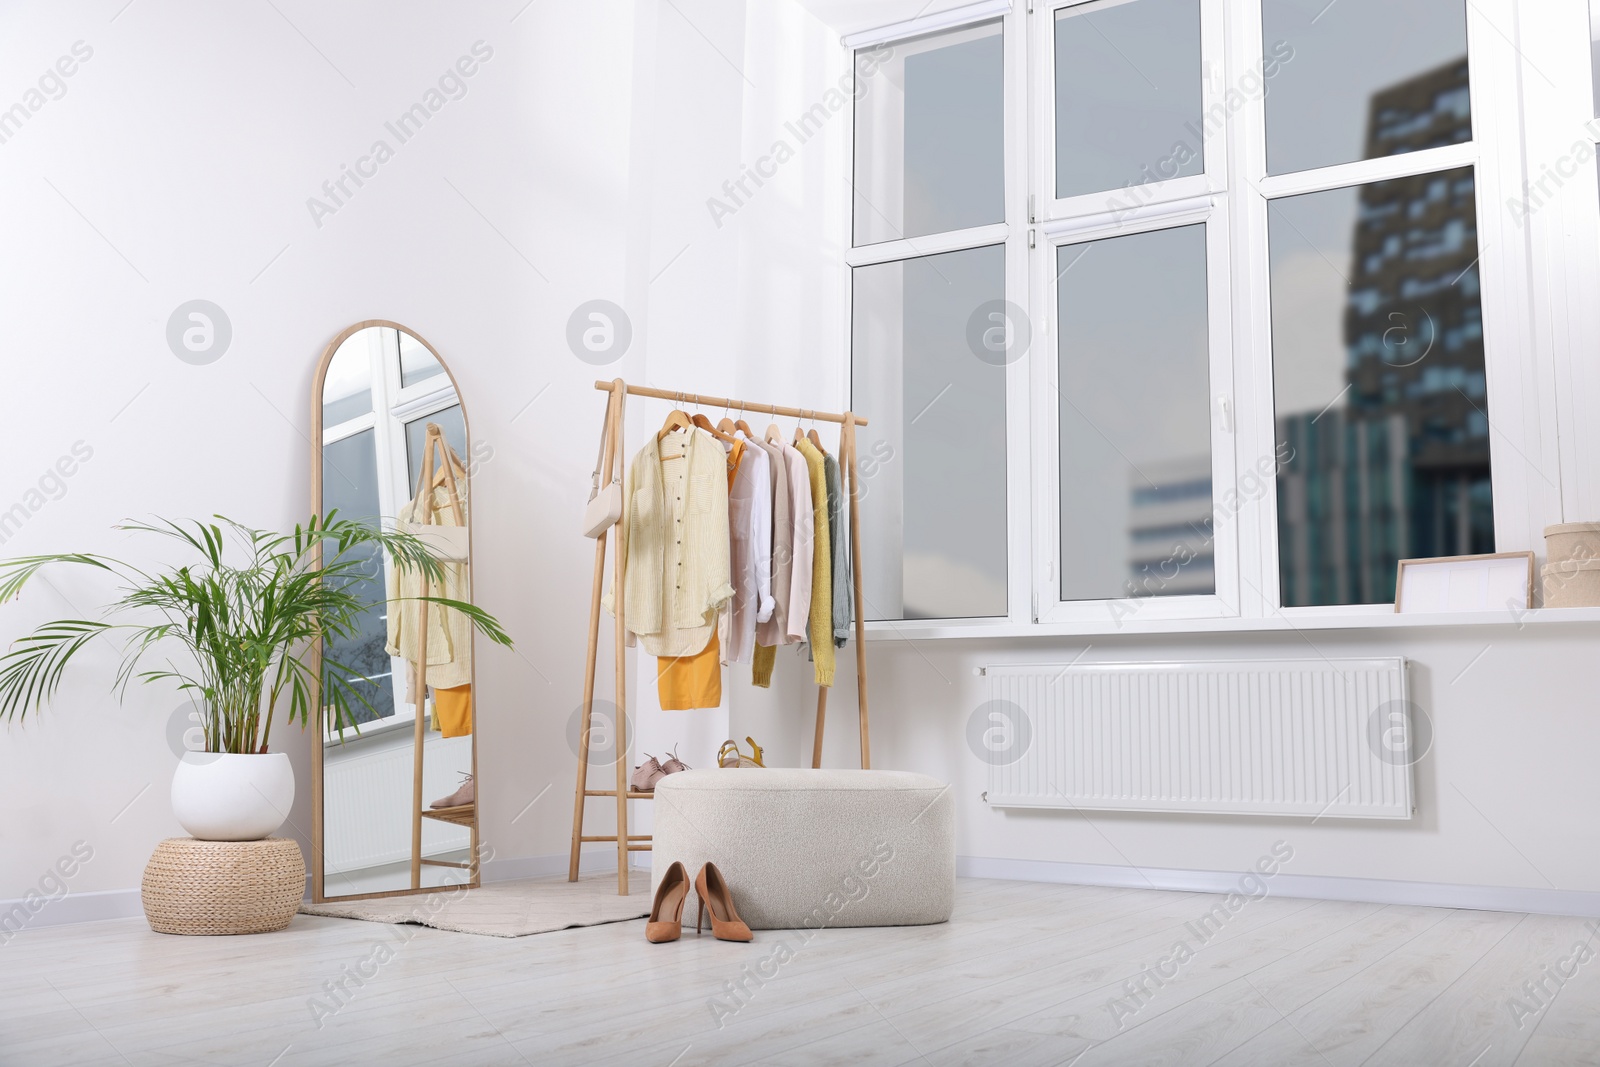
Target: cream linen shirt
(674, 534)
(449, 631)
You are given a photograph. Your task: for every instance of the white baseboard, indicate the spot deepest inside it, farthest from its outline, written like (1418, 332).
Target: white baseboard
(124, 903)
(1576, 902)
(16, 916)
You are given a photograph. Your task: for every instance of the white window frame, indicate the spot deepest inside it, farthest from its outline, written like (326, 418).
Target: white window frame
(1541, 322)
(1120, 200)
(1012, 233)
(1114, 612)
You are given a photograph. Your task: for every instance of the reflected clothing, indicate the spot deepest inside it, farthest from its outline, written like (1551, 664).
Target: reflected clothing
(820, 623)
(452, 710)
(674, 539)
(449, 631)
(684, 683)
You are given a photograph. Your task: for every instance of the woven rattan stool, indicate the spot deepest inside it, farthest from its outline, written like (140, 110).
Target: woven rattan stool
(223, 887)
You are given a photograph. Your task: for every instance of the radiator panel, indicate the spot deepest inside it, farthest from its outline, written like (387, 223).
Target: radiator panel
(1280, 737)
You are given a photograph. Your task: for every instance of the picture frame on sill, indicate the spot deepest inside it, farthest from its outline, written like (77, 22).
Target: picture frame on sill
(1442, 584)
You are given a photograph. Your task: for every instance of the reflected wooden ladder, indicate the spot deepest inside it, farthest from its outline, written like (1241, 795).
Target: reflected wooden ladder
(435, 450)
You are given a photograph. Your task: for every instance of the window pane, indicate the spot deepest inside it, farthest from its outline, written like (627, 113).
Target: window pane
(350, 484)
(929, 135)
(1135, 416)
(933, 459)
(416, 362)
(1128, 94)
(1377, 357)
(1361, 79)
(1594, 51)
(347, 386)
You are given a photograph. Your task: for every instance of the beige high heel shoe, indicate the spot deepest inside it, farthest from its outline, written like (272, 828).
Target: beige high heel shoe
(712, 889)
(670, 895)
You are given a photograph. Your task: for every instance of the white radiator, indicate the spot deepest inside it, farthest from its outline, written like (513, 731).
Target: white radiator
(366, 799)
(1275, 737)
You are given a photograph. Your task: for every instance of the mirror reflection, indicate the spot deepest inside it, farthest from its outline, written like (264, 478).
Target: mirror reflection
(397, 792)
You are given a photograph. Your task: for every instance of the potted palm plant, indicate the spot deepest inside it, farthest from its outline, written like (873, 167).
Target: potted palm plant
(237, 630)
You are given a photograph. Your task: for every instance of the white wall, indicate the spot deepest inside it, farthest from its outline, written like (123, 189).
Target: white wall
(178, 165)
(578, 166)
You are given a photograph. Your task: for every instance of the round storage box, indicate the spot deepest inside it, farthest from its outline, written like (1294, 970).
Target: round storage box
(223, 887)
(1573, 584)
(1572, 540)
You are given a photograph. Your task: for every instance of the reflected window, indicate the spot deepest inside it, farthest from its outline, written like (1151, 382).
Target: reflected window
(1135, 427)
(350, 484)
(930, 341)
(347, 386)
(929, 136)
(1378, 374)
(417, 363)
(1128, 94)
(1364, 79)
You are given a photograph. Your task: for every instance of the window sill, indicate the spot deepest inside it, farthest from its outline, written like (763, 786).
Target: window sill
(979, 629)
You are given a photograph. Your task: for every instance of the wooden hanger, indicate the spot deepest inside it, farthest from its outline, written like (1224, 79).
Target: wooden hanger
(812, 434)
(744, 427)
(774, 434)
(705, 424)
(676, 420)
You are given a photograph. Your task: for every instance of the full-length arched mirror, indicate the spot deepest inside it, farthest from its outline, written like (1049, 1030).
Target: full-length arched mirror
(395, 791)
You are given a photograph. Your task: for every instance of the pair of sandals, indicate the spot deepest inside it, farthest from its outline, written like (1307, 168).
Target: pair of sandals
(648, 773)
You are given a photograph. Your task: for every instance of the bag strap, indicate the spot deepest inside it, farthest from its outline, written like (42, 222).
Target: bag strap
(600, 456)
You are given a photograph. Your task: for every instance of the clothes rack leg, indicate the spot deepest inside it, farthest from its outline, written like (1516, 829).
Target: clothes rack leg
(620, 569)
(591, 659)
(822, 714)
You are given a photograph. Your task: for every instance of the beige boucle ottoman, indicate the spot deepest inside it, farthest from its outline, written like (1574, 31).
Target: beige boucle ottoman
(813, 848)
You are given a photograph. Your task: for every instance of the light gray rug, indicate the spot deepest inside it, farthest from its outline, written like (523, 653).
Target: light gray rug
(506, 909)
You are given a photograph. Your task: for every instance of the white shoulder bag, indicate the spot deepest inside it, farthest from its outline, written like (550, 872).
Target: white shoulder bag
(604, 509)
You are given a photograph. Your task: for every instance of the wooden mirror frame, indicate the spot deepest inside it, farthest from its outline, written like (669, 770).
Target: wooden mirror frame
(474, 880)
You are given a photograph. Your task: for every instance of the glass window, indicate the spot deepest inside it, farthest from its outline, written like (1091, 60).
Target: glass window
(1594, 51)
(931, 339)
(1362, 79)
(347, 387)
(1135, 426)
(1378, 376)
(1128, 94)
(930, 138)
(350, 484)
(416, 362)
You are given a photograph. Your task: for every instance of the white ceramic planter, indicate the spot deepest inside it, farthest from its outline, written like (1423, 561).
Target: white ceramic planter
(221, 797)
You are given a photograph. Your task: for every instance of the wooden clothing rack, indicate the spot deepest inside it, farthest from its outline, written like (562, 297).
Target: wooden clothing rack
(611, 466)
(435, 450)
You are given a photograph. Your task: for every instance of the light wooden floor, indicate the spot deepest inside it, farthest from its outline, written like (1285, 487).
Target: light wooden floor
(1024, 974)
